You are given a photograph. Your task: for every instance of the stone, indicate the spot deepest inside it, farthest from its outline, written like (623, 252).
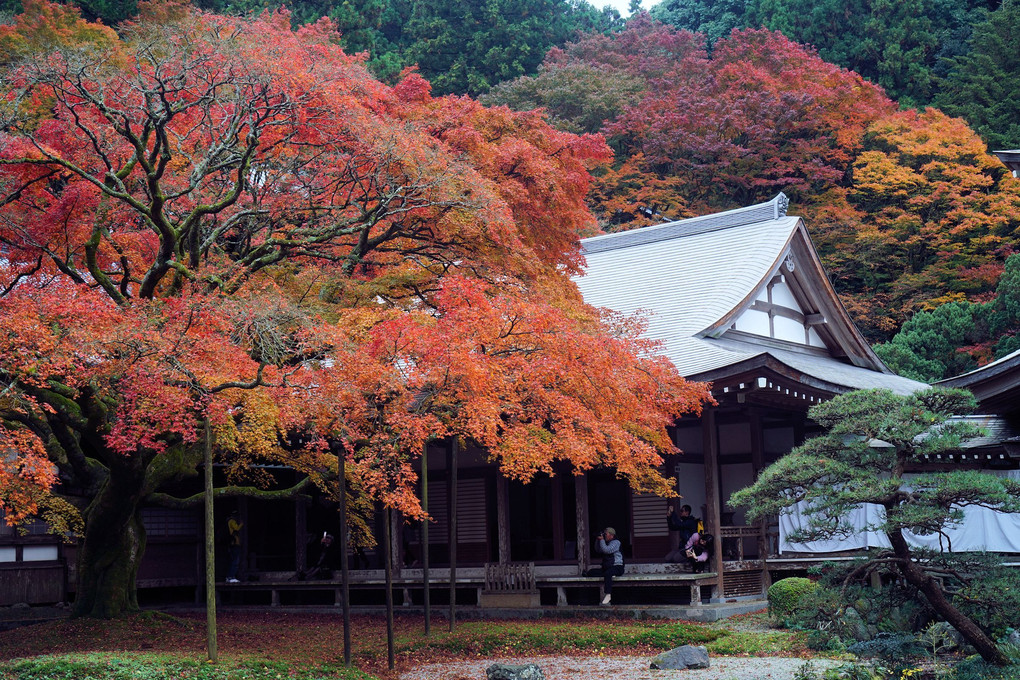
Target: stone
(1014, 638)
(681, 658)
(506, 671)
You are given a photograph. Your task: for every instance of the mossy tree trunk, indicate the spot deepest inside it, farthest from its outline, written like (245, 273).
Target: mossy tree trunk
(112, 546)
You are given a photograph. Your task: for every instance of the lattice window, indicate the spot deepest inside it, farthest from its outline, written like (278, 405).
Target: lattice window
(170, 522)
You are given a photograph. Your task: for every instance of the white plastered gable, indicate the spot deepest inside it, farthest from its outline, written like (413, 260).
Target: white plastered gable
(777, 313)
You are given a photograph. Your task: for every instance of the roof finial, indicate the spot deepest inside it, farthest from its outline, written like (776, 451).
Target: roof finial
(782, 203)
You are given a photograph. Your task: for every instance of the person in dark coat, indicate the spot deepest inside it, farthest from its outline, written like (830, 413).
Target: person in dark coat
(323, 567)
(682, 525)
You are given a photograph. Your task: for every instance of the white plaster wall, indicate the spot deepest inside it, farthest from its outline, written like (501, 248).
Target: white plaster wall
(733, 478)
(754, 321)
(783, 296)
(38, 553)
(691, 485)
(814, 339)
(789, 330)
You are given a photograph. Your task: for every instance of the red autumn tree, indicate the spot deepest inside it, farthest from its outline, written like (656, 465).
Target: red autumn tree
(907, 209)
(224, 219)
(764, 115)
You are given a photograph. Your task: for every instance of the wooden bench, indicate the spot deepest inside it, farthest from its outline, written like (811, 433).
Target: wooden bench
(275, 587)
(693, 582)
(508, 585)
(511, 584)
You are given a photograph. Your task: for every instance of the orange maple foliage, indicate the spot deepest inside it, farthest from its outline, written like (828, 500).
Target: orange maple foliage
(227, 219)
(930, 216)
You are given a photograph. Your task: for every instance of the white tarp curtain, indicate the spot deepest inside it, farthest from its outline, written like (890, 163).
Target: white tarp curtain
(981, 529)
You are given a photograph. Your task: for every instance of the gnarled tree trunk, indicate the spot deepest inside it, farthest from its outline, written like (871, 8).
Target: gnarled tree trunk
(932, 591)
(113, 544)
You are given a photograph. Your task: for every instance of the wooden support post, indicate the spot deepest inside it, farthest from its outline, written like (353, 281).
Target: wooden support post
(758, 464)
(210, 550)
(426, 602)
(344, 562)
(300, 534)
(391, 657)
(454, 446)
(581, 494)
(710, 445)
(503, 517)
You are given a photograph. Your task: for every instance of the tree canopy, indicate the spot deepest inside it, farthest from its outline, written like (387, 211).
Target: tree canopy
(228, 219)
(956, 337)
(872, 439)
(900, 46)
(983, 84)
(907, 208)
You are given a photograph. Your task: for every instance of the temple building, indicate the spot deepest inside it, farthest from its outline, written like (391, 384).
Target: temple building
(738, 299)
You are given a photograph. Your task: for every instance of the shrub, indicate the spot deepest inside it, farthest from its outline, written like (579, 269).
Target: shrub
(992, 599)
(974, 668)
(785, 595)
(888, 646)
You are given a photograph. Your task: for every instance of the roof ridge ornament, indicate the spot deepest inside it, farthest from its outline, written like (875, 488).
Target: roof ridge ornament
(782, 203)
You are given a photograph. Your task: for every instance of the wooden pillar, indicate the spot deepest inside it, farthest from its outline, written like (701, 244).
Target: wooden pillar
(345, 571)
(388, 559)
(396, 542)
(758, 464)
(301, 533)
(556, 489)
(581, 494)
(503, 517)
(710, 445)
(210, 549)
(425, 594)
(452, 506)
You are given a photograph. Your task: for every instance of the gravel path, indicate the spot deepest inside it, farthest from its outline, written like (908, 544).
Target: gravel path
(624, 668)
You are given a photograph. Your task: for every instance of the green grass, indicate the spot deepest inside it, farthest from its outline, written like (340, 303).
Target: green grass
(163, 666)
(156, 646)
(491, 638)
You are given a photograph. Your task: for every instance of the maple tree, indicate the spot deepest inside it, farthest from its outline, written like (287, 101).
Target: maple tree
(907, 209)
(764, 115)
(217, 218)
(956, 337)
(901, 46)
(931, 215)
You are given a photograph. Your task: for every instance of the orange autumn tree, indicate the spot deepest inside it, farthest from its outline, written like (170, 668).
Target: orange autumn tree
(935, 215)
(226, 219)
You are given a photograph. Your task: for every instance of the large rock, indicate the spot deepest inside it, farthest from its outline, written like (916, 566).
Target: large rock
(505, 671)
(681, 658)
